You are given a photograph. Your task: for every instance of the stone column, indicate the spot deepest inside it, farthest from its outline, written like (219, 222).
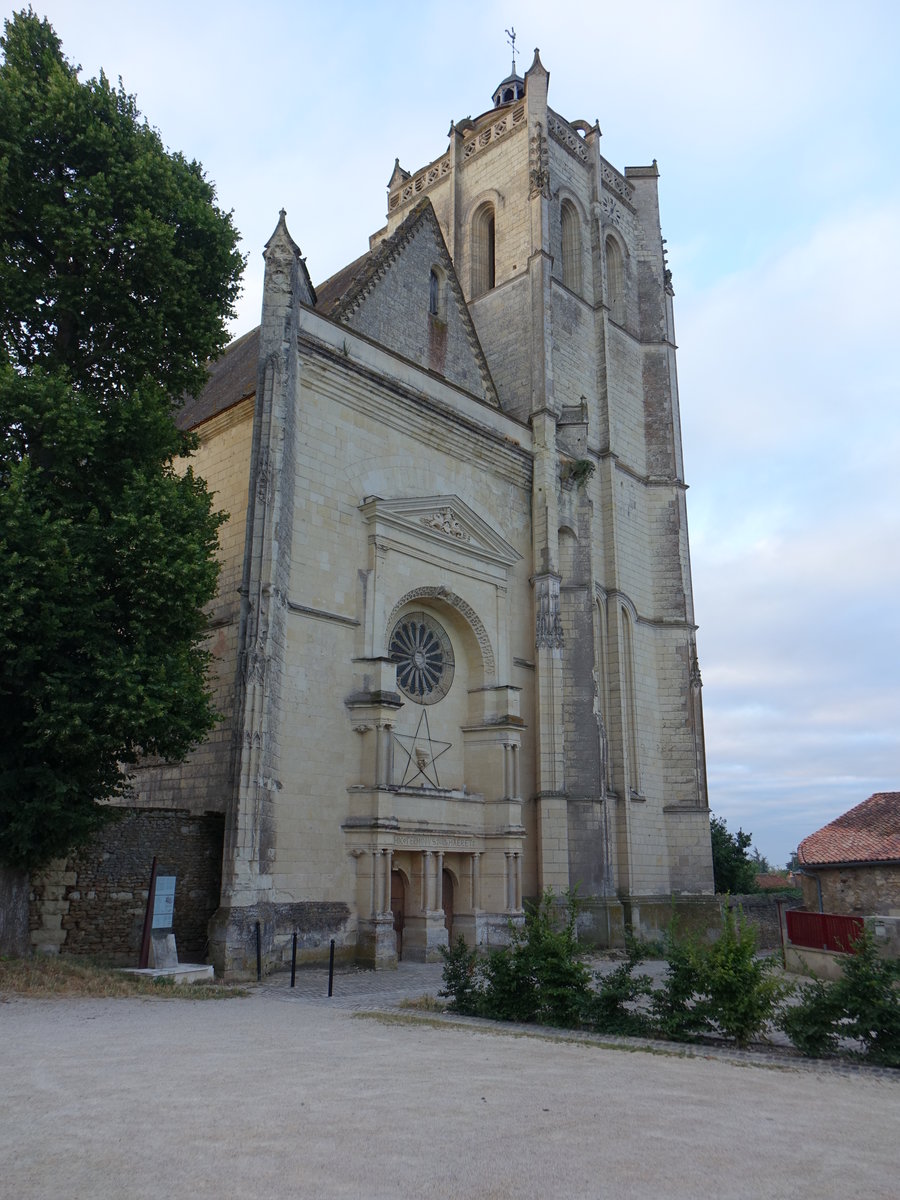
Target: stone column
(380, 771)
(388, 755)
(439, 881)
(388, 856)
(476, 881)
(518, 886)
(374, 904)
(510, 882)
(426, 879)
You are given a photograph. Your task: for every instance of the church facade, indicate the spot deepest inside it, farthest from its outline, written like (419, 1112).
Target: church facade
(454, 642)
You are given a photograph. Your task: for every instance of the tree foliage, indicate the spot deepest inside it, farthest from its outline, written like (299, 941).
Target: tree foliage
(117, 267)
(733, 869)
(118, 273)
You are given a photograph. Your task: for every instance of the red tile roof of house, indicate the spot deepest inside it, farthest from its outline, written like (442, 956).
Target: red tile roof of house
(868, 833)
(773, 881)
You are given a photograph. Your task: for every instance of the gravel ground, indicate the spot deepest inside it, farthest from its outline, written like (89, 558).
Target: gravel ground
(288, 1094)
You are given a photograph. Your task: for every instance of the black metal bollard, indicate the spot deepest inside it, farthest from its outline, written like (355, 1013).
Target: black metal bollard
(294, 958)
(258, 952)
(331, 969)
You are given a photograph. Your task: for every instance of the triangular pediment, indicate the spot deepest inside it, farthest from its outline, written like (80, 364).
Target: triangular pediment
(390, 300)
(445, 521)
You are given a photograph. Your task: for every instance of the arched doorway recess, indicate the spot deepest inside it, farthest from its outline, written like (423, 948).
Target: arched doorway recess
(447, 902)
(398, 908)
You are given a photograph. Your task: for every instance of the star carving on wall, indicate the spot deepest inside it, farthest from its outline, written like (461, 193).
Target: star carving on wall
(422, 752)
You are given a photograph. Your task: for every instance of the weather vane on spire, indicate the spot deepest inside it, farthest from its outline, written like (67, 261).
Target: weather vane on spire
(511, 38)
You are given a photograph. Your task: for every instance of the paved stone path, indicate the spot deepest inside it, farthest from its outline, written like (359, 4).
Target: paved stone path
(357, 989)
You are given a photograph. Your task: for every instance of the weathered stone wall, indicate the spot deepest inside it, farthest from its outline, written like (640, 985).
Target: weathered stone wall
(602, 922)
(760, 911)
(855, 890)
(314, 922)
(93, 903)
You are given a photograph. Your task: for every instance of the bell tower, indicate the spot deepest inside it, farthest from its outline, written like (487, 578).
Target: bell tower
(561, 259)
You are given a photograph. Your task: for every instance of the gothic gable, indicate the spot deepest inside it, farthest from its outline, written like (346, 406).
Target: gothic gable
(406, 296)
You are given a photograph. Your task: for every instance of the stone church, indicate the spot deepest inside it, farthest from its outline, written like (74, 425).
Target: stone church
(454, 640)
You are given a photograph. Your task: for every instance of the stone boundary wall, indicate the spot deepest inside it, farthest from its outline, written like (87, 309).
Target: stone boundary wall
(761, 911)
(93, 903)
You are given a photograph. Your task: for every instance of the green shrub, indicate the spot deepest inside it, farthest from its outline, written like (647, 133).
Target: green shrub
(812, 1023)
(863, 1005)
(722, 987)
(674, 1009)
(554, 961)
(741, 992)
(614, 1006)
(868, 997)
(540, 976)
(509, 988)
(460, 978)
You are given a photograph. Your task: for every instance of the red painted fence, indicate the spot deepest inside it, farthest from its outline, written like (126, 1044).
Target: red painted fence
(823, 931)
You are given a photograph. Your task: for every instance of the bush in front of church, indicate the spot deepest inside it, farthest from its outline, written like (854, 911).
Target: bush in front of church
(540, 976)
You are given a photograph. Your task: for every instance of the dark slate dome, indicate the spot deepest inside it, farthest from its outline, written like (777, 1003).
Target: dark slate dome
(512, 88)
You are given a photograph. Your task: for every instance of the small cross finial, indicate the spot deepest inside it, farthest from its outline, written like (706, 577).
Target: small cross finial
(511, 38)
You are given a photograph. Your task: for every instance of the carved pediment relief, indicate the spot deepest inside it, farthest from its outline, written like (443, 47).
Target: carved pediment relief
(442, 521)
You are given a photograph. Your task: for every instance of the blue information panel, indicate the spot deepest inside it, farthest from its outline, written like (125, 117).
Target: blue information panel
(164, 902)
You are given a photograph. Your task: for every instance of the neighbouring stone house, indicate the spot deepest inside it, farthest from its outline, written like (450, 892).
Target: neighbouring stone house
(454, 638)
(852, 864)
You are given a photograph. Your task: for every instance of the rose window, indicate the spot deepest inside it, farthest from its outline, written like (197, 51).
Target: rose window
(424, 656)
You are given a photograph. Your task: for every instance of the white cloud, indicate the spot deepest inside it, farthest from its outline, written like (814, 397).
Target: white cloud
(792, 428)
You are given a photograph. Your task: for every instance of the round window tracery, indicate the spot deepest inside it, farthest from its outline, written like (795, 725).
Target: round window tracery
(424, 656)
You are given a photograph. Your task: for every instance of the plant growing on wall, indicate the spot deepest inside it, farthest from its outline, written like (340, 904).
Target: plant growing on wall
(577, 471)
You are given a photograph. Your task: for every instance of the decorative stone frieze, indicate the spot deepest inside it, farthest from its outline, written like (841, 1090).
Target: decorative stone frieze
(567, 137)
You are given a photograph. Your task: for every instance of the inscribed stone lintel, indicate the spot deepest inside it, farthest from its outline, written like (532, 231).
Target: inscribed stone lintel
(428, 841)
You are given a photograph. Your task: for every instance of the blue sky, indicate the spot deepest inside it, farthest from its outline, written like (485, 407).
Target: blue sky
(775, 125)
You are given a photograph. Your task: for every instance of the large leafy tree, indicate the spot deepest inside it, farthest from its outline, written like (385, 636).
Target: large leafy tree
(117, 274)
(734, 869)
